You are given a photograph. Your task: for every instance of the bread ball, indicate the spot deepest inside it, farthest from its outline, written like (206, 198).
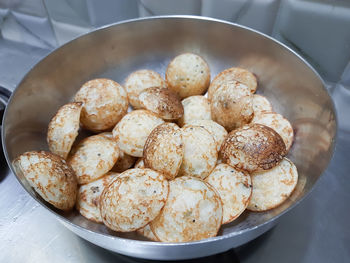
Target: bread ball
(195, 108)
(231, 105)
(261, 104)
(272, 187)
(219, 133)
(125, 161)
(188, 74)
(88, 198)
(163, 151)
(277, 122)
(93, 157)
(163, 102)
(234, 188)
(104, 103)
(253, 147)
(63, 129)
(192, 212)
(50, 176)
(132, 131)
(133, 199)
(140, 80)
(200, 154)
(233, 74)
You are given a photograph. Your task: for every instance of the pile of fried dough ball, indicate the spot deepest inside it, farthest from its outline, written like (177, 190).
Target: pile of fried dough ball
(178, 165)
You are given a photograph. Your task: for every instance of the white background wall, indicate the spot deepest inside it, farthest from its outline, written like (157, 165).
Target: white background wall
(319, 30)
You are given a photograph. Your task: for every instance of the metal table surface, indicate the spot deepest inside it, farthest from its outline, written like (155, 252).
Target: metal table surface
(317, 230)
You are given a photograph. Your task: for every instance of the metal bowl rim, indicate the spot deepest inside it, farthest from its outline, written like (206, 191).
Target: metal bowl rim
(172, 244)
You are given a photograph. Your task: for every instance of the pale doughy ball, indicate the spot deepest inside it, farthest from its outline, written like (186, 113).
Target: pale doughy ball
(133, 199)
(88, 198)
(200, 154)
(234, 188)
(261, 104)
(233, 74)
(231, 105)
(272, 187)
(93, 157)
(253, 147)
(163, 102)
(195, 108)
(277, 122)
(105, 102)
(132, 131)
(50, 176)
(219, 133)
(125, 161)
(163, 151)
(192, 212)
(63, 129)
(140, 80)
(188, 74)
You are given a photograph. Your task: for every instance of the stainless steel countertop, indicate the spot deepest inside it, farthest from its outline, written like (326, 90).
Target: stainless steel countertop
(315, 231)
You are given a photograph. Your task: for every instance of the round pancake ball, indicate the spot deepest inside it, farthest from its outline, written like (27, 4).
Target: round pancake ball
(192, 212)
(50, 176)
(163, 151)
(163, 102)
(231, 105)
(93, 157)
(195, 108)
(219, 133)
(132, 131)
(234, 187)
(253, 147)
(105, 102)
(125, 161)
(200, 154)
(88, 199)
(188, 74)
(140, 80)
(63, 129)
(277, 122)
(233, 74)
(272, 187)
(133, 199)
(261, 104)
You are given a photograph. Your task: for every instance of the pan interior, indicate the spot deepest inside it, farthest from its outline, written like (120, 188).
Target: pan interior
(113, 52)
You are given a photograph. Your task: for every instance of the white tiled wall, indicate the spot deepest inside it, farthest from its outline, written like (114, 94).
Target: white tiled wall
(169, 7)
(318, 29)
(257, 14)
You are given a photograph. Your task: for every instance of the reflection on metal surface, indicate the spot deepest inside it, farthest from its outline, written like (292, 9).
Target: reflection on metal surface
(225, 257)
(118, 50)
(30, 234)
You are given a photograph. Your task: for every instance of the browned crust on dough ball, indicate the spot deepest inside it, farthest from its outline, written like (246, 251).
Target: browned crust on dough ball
(61, 179)
(263, 151)
(239, 74)
(164, 136)
(163, 102)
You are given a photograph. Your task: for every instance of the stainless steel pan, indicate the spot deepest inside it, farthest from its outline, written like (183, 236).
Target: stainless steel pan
(292, 85)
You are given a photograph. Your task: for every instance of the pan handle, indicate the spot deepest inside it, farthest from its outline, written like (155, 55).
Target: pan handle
(5, 95)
